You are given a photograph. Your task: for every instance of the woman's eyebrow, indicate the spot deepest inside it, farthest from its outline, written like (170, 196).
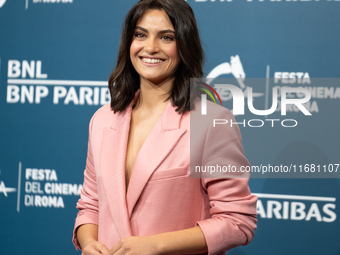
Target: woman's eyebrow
(160, 32)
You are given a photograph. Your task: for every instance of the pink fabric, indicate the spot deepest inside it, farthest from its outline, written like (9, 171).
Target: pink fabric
(161, 196)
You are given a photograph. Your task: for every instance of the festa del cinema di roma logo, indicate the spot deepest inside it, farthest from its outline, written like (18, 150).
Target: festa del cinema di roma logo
(238, 95)
(41, 188)
(5, 190)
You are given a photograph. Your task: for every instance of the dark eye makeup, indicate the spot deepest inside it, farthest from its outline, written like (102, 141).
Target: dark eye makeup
(167, 37)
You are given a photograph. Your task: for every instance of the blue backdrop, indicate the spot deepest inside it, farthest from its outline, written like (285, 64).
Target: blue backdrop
(56, 57)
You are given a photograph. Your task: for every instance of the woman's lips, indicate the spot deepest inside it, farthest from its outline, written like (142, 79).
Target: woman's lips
(152, 61)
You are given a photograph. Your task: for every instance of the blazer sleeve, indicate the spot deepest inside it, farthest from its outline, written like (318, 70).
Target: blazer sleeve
(88, 202)
(232, 207)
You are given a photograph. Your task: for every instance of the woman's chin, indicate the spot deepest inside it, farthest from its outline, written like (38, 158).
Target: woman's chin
(157, 80)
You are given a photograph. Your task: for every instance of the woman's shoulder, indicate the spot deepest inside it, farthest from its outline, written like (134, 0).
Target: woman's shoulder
(104, 116)
(103, 111)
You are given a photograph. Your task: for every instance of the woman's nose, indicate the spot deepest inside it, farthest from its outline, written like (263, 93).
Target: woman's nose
(151, 46)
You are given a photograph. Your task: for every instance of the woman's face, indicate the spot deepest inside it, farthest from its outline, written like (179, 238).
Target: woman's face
(153, 50)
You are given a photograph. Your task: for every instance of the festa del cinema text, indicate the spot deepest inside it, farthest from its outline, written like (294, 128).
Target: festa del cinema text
(28, 84)
(43, 190)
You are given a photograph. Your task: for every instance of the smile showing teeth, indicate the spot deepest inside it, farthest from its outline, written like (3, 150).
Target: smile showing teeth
(152, 60)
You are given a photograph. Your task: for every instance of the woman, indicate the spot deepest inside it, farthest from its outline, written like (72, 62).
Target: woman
(138, 197)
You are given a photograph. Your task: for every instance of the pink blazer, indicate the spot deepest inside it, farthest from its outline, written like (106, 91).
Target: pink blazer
(162, 196)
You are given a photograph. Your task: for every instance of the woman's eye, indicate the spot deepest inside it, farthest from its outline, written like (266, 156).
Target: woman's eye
(139, 35)
(168, 38)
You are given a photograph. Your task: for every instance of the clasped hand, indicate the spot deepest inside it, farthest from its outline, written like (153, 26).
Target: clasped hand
(134, 245)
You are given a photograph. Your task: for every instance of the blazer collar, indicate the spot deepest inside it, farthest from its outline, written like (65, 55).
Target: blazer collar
(170, 119)
(117, 121)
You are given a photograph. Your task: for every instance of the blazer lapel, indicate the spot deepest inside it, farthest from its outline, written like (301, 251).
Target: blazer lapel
(161, 140)
(112, 166)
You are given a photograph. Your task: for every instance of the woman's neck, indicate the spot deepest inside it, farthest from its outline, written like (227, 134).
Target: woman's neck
(152, 97)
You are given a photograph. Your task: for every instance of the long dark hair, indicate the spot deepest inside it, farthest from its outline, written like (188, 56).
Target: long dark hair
(124, 80)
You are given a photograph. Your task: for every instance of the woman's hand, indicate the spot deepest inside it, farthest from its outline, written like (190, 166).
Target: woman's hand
(94, 248)
(146, 245)
(186, 241)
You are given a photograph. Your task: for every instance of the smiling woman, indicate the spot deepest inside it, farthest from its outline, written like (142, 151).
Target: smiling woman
(137, 196)
(153, 51)
(176, 35)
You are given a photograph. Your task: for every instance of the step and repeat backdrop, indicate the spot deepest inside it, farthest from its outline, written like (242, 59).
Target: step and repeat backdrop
(55, 60)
